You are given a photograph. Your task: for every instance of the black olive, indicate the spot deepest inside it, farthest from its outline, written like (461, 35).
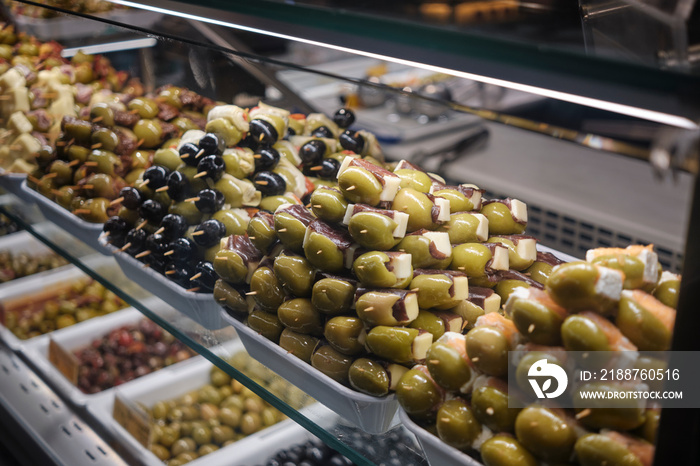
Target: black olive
(210, 200)
(213, 165)
(266, 159)
(208, 233)
(323, 132)
(153, 211)
(250, 142)
(158, 244)
(315, 454)
(136, 239)
(178, 186)
(208, 277)
(183, 250)
(179, 273)
(269, 183)
(339, 460)
(312, 152)
(116, 227)
(344, 117)
(212, 144)
(188, 153)
(291, 132)
(174, 226)
(329, 169)
(352, 140)
(156, 176)
(263, 131)
(132, 197)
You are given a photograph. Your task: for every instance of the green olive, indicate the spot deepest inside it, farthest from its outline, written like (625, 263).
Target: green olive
(239, 162)
(97, 208)
(437, 291)
(458, 201)
(537, 322)
(503, 450)
(272, 203)
(667, 292)
(418, 395)
(250, 423)
(609, 413)
(640, 325)
(171, 96)
(183, 445)
(290, 230)
(188, 210)
(333, 296)
(184, 124)
(295, 274)
(146, 108)
(103, 112)
(580, 333)
(471, 258)
(231, 266)
(107, 162)
(429, 322)
(84, 73)
(334, 364)
(103, 185)
(463, 227)
(373, 230)
(369, 376)
(418, 206)
(160, 451)
(504, 288)
(150, 132)
(228, 296)
(223, 128)
(573, 286)
(488, 349)
(393, 343)
(221, 434)
(261, 231)
(266, 324)
(206, 449)
(515, 260)
(359, 186)
(168, 158)
(298, 344)
(106, 138)
(424, 254)
(501, 221)
(323, 253)
(63, 171)
(632, 267)
(448, 366)
(545, 434)
(650, 427)
(79, 130)
(539, 271)
(299, 315)
(375, 269)
(601, 450)
(490, 407)
(235, 221)
(414, 179)
(456, 424)
(267, 288)
(230, 416)
(343, 333)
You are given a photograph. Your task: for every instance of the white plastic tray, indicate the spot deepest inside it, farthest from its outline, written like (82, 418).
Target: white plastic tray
(71, 27)
(24, 242)
(372, 414)
(73, 338)
(12, 183)
(38, 283)
(174, 382)
(437, 452)
(86, 232)
(200, 307)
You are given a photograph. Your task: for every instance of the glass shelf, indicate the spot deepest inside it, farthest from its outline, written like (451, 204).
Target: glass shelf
(363, 449)
(556, 65)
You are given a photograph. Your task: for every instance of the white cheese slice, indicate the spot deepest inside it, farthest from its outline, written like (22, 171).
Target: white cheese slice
(11, 79)
(482, 230)
(527, 249)
(401, 265)
(19, 123)
(401, 219)
(444, 212)
(500, 261)
(518, 210)
(609, 283)
(392, 184)
(441, 240)
(461, 288)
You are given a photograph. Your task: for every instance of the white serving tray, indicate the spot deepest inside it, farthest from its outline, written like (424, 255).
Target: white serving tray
(86, 232)
(12, 183)
(73, 338)
(372, 414)
(173, 382)
(38, 283)
(200, 307)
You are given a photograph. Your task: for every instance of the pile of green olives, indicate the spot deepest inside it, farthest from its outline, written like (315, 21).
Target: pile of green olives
(217, 414)
(78, 301)
(21, 264)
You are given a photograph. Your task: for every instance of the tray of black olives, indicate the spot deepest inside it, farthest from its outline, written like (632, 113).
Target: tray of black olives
(372, 414)
(200, 307)
(86, 232)
(436, 451)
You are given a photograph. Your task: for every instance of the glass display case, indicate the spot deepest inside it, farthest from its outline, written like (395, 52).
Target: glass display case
(542, 102)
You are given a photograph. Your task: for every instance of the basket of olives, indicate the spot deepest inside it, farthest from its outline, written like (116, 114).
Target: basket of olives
(43, 304)
(85, 231)
(110, 351)
(198, 411)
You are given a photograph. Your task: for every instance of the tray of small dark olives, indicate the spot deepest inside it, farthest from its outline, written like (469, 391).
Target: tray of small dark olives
(436, 451)
(110, 352)
(372, 414)
(197, 414)
(85, 231)
(200, 307)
